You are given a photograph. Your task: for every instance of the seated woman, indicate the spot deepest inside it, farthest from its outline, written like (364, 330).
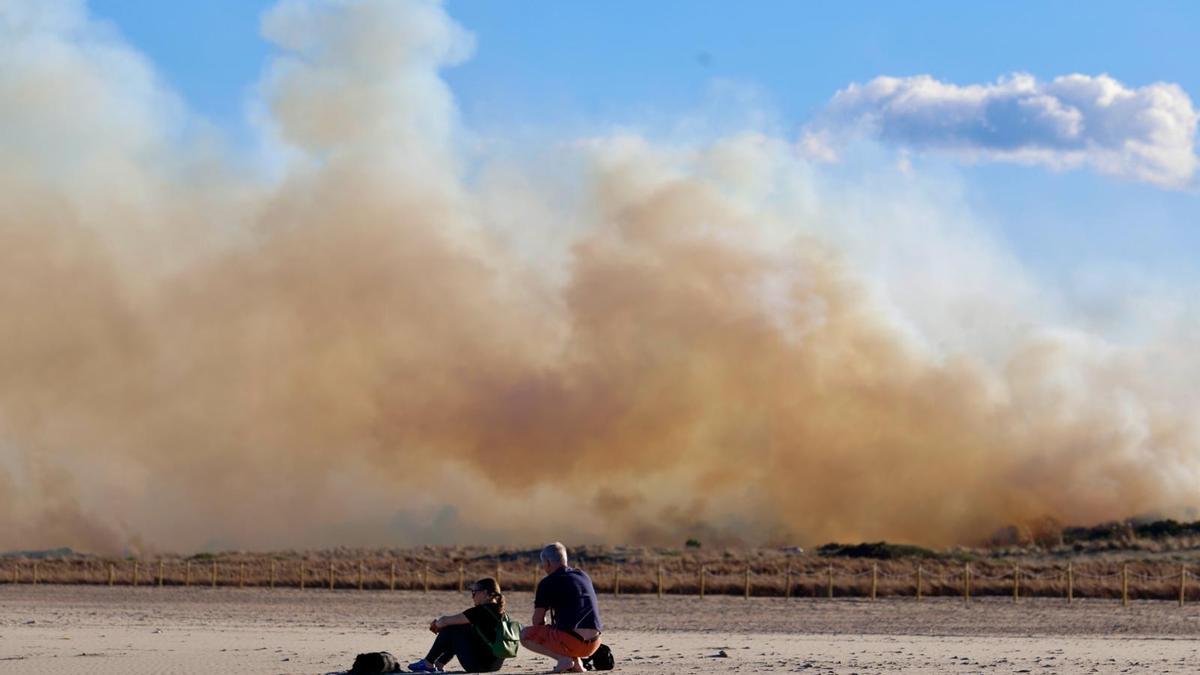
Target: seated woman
(457, 635)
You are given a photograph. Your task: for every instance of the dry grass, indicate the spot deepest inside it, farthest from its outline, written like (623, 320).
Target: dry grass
(636, 570)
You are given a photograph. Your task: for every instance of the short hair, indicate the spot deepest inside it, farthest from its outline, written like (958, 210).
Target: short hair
(555, 553)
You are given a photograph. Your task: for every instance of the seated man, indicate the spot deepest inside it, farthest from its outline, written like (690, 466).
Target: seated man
(568, 595)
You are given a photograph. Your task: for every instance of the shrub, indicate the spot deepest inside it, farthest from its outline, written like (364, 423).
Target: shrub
(880, 550)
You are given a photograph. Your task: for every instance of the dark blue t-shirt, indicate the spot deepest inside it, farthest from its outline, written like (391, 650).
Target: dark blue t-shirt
(570, 594)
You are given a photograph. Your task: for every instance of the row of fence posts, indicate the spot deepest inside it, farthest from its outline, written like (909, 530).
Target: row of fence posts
(271, 578)
(746, 588)
(967, 578)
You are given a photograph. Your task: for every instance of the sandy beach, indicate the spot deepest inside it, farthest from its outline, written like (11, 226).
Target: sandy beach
(100, 630)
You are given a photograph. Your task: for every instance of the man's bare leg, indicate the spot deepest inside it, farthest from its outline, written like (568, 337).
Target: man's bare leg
(565, 663)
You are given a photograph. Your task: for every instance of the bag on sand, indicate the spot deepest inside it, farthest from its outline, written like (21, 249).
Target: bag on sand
(375, 662)
(506, 641)
(601, 660)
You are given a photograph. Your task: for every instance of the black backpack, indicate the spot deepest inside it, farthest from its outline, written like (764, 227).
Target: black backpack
(601, 660)
(375, 662)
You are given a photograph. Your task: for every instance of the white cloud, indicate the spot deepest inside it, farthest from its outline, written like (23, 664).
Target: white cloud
(1142, 134)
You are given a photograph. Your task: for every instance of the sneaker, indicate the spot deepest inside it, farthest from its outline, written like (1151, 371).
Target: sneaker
(422, 667)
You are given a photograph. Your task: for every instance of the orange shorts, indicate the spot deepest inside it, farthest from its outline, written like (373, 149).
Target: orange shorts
(560, 641)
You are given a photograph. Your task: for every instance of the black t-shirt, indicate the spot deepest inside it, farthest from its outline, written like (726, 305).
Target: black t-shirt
(485, 617)
(570, 594)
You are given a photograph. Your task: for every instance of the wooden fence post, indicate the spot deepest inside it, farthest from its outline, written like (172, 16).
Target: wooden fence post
(787, 588)
(1125, 585)
(1070, 584)
(1016, 582)
(425, 579)
(1182, 583)
(331, 577)
(617, 580)
(874, 579)
(160, 573)
(135, 572)
(214, 574)
(242, 574)
(660, 581)
(16, 575)
(360, 575)
(703, 579)
(966, 582)
(187, 574)
(829, 587)
(112, 574)
(919, 574)
(747, 591)
(392, 577)
(35, 572)
(301, 575)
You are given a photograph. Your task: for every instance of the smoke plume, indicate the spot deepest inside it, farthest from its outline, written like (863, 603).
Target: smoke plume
(370, 331)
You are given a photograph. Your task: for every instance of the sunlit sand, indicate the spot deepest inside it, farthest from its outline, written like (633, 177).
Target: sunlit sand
(98, 630)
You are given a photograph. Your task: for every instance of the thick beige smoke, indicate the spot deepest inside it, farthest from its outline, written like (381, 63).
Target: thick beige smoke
(354, 343)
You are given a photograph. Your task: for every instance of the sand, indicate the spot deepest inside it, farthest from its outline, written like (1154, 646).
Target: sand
(99, 630)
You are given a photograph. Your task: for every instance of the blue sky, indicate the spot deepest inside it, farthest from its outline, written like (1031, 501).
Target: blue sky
(604, 57)
(566, 67)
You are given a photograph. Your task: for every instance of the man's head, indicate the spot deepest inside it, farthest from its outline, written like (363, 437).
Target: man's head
(554, 556)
